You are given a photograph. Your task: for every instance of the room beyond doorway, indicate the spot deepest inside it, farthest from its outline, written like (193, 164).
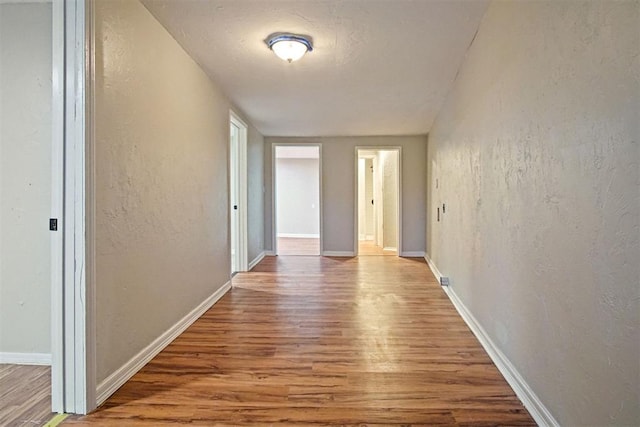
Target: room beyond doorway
(377, 216)
(297, 200)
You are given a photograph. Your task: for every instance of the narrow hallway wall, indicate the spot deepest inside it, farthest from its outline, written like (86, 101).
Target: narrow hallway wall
(536, 156)
(162, 207)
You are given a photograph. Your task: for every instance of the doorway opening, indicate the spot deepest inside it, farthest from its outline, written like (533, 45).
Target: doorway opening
(378, 213)
(32, 357)
(297, 200)
(238, 193)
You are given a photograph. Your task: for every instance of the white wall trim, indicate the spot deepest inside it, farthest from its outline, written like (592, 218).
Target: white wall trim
(57, 208)
(43, 359)
(270, 253)
(255, 262)
(299, 236)
(112, 383)
(412, 254)
(433, 267)
(77, 227)
(339, 253)
(389, 248)
(529, 399)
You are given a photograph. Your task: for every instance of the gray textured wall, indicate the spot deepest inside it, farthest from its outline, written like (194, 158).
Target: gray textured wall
(338, 188)
(162, 204)
(536, 155)
(25, 178)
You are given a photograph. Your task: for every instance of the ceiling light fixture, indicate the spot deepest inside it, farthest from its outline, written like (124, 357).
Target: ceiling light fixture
(289, 47)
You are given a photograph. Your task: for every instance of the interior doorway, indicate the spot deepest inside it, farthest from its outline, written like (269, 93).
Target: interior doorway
(378, 201)
(30, 181)
(238, 193)
(297, 200)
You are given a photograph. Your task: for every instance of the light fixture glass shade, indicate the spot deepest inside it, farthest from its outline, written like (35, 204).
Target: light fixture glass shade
(289, 47)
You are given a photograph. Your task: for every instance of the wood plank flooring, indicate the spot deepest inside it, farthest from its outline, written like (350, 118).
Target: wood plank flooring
(324, 341)
(25, 395)
(298, 246)
(367, 248)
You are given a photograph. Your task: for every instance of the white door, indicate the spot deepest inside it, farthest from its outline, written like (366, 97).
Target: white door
(234, 197)
(238, 193)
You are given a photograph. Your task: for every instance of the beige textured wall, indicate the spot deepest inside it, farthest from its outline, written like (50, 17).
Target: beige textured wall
(338, 188)
(536, 154)
(389, 169)
(162, 135)
(25, 177)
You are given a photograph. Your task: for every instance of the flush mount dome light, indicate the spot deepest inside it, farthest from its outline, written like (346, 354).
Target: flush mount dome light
(289, 47)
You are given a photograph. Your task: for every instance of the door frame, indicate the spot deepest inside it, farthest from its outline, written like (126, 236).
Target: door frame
(274, 193)
(241, 166)
(361, 197)
(398, 149)
(73, 331)
(57, 207)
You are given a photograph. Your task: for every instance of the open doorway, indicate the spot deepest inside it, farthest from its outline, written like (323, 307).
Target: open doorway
(297, 200)
(238, 193)
(29, 351)
(378, 201)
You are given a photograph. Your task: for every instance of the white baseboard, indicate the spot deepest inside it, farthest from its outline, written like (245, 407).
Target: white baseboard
(114, 381)
(529, 399)
(299, 236)
(256, 261)
(368, 237)
(43, 359)
(433, 267)
(389, 249)
(270, 253)
(339, 253)
(412, 254)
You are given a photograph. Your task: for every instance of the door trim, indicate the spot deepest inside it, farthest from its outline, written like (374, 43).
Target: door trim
(398, 149)
(57, 207)
(72, 293)
(242, 188)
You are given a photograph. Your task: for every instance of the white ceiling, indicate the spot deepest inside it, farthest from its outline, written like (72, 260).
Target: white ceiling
(379, 67)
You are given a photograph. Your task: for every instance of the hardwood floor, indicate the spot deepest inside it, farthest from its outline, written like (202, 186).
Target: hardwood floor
(298, 246)
(367, 247)
(25, 395)
(324, 341)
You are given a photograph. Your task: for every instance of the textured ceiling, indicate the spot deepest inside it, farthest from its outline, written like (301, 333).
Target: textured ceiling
(379, 67)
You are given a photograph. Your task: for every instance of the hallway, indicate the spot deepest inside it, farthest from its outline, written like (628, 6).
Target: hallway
(322, 340)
